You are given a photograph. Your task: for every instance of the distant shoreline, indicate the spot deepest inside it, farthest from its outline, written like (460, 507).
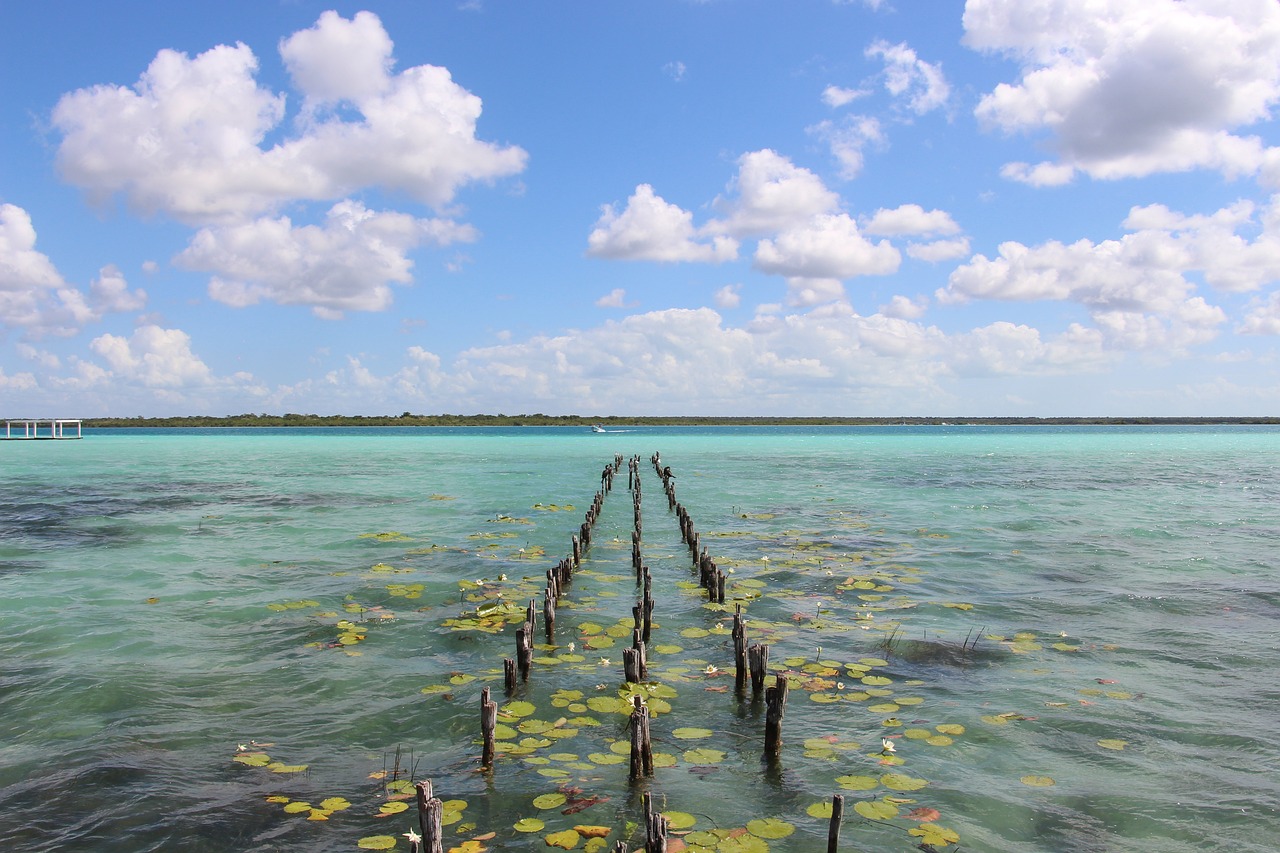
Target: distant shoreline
(411, 420)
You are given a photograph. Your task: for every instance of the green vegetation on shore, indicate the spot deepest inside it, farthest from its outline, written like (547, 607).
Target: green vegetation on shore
(411, 420)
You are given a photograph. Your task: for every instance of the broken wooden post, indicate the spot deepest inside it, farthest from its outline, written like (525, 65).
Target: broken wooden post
(758, 663)
(430, 811)
(549, 613)
(775, 700)
(739, 651)
(641, 744)
(509, 675)
(488, 725)
(524, 650)
(833, 830)
(655, 827)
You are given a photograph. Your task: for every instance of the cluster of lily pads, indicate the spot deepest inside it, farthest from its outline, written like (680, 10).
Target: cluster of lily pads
(795, 587)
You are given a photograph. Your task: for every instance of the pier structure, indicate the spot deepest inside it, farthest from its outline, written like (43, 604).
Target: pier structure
(31, 429)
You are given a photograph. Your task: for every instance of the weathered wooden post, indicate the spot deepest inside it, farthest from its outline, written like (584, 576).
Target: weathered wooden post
(833, 830)
(758, 663)
(655, 827)
(775, 700)
(641, 745)
(509, 675)
(739, 651)
(488, 724)
(549, 613)
(430, 811)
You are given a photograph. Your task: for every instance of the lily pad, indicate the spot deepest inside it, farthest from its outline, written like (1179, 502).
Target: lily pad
(1113, 743)
(566, 839)
(770, 828)
(680, 820)
(1038, 781)
(690, 733)
(902, 782)
(876, 809)
(822, 811)
(549, 801)
(858, 783)
(528, 824)
(377, 842)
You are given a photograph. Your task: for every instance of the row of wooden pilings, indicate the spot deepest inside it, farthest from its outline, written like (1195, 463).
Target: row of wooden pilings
(750, 662)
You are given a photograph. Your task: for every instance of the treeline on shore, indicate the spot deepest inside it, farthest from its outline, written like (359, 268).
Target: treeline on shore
(409, 419)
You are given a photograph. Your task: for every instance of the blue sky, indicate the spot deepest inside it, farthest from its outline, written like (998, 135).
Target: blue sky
(996, 207)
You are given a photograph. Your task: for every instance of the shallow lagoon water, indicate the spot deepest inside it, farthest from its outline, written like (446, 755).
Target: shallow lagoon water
(168, 597)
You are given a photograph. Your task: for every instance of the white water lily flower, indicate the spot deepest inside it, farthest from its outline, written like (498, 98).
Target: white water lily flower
(412, 836)
(886, 745)
(572, 646)
(711, 669)
(604, 661)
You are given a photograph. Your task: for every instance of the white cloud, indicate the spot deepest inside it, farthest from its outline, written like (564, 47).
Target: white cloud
(910, 219)
(828, 246)
(770, 194)
(651, 229)
(1263, 318)
(186, 139)
(29, 282)
(838, 96)
(729, 296)
(921, 84)
(347, 264)
(675, 70)
(939, 250)
(340, 60)
(109, 292)
(847, 139)
(33, 295)
(905, 308)
(154, 357)
(1129, 89)
(616, 298)
(17, 381)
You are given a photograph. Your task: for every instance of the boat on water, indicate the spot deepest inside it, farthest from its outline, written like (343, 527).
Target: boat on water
(597, 428)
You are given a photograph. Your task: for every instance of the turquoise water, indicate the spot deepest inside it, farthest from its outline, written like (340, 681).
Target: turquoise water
(1094, 606)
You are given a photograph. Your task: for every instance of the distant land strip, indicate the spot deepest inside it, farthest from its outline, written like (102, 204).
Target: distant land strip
(411, 420)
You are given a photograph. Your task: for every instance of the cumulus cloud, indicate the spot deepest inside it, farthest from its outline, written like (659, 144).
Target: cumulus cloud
(910, 219)
(847, 139)
(346, 264)
(154, 357)
(768, 194)
(616, 298)
(33, 294)
(1130, 89)
(650, 228)
(187, 139)
(838, 96)
(921, 85)
(729, 296)
(828, 246)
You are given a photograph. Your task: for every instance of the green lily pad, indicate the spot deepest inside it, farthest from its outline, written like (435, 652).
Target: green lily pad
(1038, 781)
(528, 824)
(689, 733)
(1113, 743)
(770, 828)
(679, 820)
(377, 842)
(549, 801)
(902, 782)
(704, 756)
(566, 839)
(858, 783)
(876, 809)
(822, 811)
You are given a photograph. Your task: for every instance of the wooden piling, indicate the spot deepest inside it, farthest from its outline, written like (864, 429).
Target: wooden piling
(758, 664)
(430, 812)
(739, 651)
(833, 829)
(775, 699)
(656, 826)
(509, 675)
(488, 725)
(641, 744)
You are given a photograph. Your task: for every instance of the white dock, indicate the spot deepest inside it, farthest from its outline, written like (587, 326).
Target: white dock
(42, 429)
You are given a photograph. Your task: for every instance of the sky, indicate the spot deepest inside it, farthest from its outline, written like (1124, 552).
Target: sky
(727, 207)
